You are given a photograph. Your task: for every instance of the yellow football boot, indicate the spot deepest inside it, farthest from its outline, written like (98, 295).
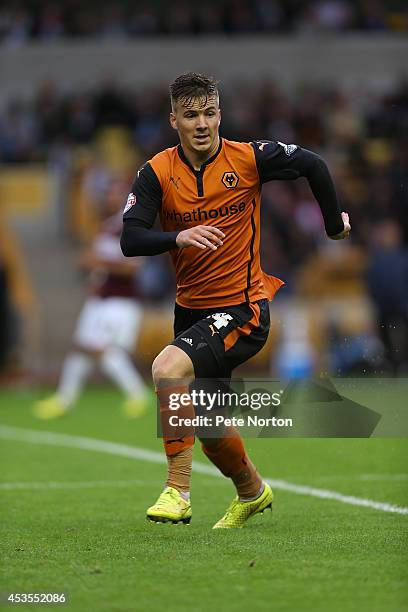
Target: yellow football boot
(49, 408)
(170, 507)
(240, 511)
(134, 407)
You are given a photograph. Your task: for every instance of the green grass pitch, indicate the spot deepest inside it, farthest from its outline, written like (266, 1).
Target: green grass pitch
(73, 520)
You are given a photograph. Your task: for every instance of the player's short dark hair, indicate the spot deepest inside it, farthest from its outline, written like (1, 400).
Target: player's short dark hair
(190, 86)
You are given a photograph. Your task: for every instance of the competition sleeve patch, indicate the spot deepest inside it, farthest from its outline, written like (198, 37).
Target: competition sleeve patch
(131, 201)
(145, 198)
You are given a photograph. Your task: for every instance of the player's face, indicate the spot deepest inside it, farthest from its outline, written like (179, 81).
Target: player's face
(198, 125)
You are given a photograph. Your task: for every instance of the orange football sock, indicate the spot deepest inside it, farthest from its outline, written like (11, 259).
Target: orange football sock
(229, 455)
(247, 482)
(178, 440)
(179, 470)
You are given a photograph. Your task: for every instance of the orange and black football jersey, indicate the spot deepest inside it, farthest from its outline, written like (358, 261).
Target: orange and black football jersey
(224, 193)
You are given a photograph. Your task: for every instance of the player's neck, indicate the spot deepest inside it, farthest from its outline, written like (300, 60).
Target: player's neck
(197, 159)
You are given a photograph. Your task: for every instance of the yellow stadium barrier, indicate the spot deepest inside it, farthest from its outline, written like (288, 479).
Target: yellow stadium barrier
(25, 189)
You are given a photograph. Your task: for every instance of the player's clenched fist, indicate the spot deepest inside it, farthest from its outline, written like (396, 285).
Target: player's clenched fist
(347, 228)
(201, 236)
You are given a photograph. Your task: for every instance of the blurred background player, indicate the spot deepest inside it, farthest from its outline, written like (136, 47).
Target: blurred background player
(387, 278)
(17, 301)
(109, 322)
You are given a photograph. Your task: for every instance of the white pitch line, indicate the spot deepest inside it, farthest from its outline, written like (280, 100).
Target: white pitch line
(114, 448)
(345, 499)
(92, 484)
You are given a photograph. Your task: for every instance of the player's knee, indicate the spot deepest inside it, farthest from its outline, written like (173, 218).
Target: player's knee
(171, 363)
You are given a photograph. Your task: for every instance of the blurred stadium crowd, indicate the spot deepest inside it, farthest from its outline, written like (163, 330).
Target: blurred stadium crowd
(101, 137)
(45, 20)
(365, 143)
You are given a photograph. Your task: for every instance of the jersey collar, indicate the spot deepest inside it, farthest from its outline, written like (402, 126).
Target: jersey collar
(209, 160)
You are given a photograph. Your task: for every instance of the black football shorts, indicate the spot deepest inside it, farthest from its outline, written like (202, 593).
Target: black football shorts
(217, 340)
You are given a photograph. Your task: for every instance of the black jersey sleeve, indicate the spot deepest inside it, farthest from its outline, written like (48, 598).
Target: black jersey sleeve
(277, 160)
(142, 206)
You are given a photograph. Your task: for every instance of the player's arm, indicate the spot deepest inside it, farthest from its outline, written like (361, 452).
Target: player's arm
(144, 202)
(276, 160)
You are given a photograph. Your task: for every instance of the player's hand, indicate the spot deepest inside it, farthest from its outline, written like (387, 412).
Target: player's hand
(347, 228)
(201, 236)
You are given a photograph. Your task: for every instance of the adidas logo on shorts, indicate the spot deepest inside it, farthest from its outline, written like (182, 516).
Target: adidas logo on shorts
(188, 340)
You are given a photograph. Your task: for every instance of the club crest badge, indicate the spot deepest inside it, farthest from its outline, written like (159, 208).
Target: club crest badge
(230, 179)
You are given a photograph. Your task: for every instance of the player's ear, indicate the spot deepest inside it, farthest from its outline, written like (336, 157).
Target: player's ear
(173, 121)
(219, 116)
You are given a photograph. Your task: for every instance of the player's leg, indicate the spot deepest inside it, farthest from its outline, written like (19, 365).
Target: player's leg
(253, 495)
(119, 326)
(172, 373)
(76, 368)
(242, 337)
(77, 365)
(211, 343)
(229, 455)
